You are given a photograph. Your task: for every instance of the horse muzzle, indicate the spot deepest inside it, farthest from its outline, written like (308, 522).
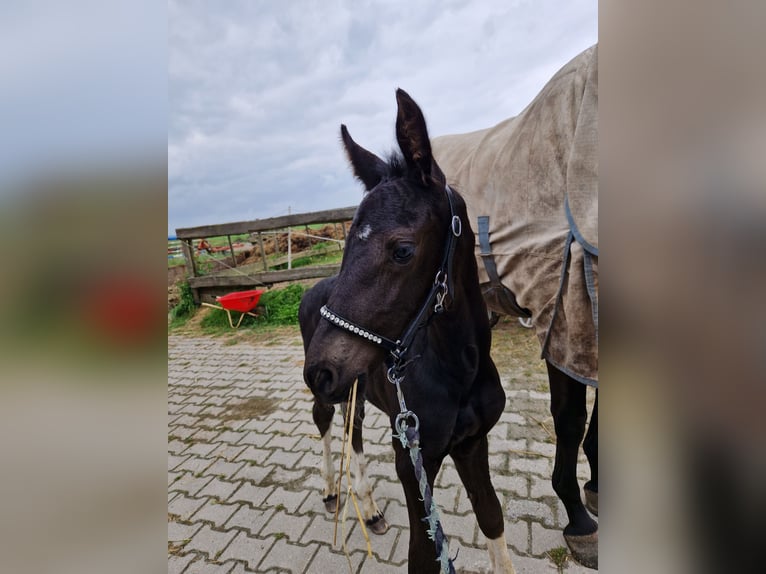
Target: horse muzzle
(323, 380)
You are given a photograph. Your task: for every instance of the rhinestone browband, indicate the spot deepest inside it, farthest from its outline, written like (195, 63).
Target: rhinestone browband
(355, 329)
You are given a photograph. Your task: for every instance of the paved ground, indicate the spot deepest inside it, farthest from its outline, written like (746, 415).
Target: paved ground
(244, 491)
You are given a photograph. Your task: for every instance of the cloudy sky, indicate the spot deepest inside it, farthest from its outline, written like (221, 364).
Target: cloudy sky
(258, 89)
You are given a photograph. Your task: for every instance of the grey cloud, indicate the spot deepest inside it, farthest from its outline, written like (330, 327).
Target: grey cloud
(258, 90)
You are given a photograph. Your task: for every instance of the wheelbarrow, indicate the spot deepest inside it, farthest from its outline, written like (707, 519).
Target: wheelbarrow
(242, 301)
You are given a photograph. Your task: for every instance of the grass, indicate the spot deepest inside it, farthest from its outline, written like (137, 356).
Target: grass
(559, 557)
(185, 308)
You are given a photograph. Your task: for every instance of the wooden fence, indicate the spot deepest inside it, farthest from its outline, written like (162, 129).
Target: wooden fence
(238, 278)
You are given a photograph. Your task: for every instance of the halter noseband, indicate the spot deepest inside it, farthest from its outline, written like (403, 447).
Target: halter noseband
(441, 288)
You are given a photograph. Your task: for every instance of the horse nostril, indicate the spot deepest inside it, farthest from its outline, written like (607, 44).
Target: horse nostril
(320, 378)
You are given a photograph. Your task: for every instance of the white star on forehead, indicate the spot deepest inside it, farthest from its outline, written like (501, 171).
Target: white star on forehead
(364, 232)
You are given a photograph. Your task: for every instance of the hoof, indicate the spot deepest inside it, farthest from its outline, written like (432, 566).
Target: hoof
(377, 524)
(584, 549)
(591, 501)
(331, 503)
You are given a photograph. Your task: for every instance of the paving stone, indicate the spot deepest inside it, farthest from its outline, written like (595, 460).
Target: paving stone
(253, 438)
(327, 561)
(220, 489)
(516, 509)
(284, 458)
(287, 499)
(183, 506)
(470, 559)
(254, 473)
(195, 464)
(250, 494)
(189, 483)
(516, 484)
(517, 535)
(202, 567)
(540, 466)
(252, 520)
(541, 487)
(174, 461)
(209, 541)
(215, 512)
(281, 523)
(300, 556)
(463, 527)
(254, 455)
(382, 545)
(227, 452)
(177, 564)
(175, 447)
(222, 468)
(250, 550)
(178, 532)
(545, 539)
(181, 432)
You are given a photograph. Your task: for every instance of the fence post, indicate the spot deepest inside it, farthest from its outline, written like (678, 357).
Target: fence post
(233, 256)
(191, 270)
(263, 251)
(289, 244)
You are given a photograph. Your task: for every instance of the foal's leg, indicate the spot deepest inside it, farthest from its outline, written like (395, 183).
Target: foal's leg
(569, 414)
(322, 414)
(472, 464)
(421, 557)
(590, 446)
(373, 517)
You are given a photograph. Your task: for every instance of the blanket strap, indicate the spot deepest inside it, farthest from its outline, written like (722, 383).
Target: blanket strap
(509, 300)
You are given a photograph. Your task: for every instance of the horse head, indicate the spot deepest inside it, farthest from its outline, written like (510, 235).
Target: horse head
(393, 260)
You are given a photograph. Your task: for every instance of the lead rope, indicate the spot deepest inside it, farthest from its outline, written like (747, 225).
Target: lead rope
(348, 427)
(410, 439)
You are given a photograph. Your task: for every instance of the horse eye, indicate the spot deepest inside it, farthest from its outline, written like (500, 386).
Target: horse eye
(403, 253)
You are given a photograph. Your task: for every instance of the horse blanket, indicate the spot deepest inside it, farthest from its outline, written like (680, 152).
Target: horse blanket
(531, 186)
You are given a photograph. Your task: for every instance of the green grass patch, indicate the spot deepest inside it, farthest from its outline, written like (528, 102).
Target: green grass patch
(185, 307)
(281, 305)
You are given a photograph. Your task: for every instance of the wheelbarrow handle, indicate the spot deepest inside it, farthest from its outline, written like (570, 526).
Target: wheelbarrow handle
(228, 313)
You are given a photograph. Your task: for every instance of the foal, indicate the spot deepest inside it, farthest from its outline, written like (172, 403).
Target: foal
(407, 301)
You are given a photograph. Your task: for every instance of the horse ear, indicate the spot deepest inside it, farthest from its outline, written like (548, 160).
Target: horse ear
(368, 167)
(412, 135)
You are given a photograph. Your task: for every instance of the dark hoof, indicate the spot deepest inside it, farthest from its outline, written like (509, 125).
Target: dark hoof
(584, 549)
(591, 501)
(331, 503)
(377, 524)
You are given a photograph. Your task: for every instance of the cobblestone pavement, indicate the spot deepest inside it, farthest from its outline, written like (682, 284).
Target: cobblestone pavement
(244, 490)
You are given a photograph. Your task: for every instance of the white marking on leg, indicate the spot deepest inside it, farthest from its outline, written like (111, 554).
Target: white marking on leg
(328, 471)
(499, 558)
(364, 232)
(362, 485)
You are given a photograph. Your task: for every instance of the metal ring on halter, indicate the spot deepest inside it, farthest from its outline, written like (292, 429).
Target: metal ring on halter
(457, 226)
(391, 375)
(401, 421)
(441, 278)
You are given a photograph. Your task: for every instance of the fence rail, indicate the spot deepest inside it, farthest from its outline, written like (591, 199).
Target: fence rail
(205, 287)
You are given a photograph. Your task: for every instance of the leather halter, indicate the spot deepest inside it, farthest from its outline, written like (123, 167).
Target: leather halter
(441, 288)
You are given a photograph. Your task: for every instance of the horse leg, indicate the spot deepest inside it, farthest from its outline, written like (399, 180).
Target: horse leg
(590, 446)
(421, 556)
(569, 414)
(472, 464)
(323, 414)
(373, 517)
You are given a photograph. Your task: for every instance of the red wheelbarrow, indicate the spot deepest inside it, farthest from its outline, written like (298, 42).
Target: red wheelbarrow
(242, 301)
